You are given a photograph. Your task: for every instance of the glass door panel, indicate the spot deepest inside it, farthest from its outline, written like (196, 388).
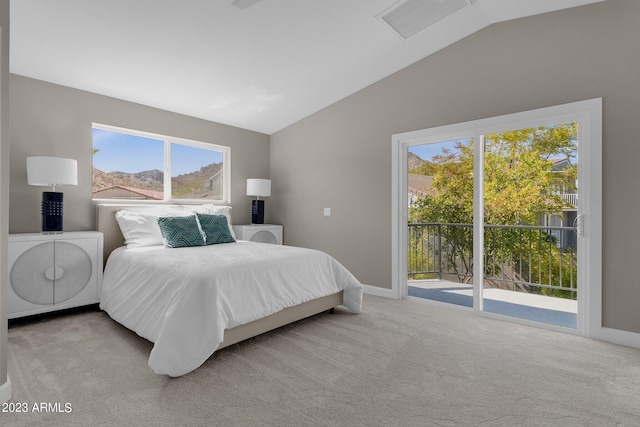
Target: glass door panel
(530, 206)
(440, 221)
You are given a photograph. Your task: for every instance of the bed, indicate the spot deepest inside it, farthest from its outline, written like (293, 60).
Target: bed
(192, 301)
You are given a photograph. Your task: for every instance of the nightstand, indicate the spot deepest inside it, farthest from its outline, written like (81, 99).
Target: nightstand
(263, 233)
(49, 272)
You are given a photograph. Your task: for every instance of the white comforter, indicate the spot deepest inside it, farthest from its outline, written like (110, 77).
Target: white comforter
(183, 299)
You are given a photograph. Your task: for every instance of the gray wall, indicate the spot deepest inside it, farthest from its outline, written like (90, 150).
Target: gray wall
(340, 157)
(53, 120)
(4, 184)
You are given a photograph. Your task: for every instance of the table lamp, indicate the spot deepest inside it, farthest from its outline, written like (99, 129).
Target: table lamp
(52, 171)
(258, 187)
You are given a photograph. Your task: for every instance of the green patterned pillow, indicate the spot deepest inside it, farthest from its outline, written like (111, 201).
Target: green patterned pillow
(215, 229)
(180, 231)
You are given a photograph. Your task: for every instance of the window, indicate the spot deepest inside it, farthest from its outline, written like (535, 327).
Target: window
(141, 166)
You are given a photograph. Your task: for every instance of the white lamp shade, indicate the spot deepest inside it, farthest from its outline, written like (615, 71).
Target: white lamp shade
(259, 187)
(42, 170)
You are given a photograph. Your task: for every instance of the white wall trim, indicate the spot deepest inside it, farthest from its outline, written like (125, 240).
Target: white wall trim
(614, 336)
(609, 335)
(379, 292)
(5, 391)
(620, 337)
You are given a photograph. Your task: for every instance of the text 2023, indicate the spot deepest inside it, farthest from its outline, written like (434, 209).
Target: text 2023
(15, 407)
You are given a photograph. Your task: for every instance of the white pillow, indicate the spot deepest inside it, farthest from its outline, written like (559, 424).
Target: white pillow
(139, 229)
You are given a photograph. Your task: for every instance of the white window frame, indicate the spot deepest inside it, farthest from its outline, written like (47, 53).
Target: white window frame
(169, 141)
(588, 114)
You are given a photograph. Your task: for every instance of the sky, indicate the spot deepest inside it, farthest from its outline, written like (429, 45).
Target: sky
(427, 151)
(131, 153)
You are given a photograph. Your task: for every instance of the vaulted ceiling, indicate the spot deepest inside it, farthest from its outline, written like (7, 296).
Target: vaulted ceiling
(256, 64)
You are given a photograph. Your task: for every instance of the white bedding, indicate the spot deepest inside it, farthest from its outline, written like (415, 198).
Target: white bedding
(183, 299)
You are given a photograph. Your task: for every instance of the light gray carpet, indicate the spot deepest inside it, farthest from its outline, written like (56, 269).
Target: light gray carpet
(399, 363)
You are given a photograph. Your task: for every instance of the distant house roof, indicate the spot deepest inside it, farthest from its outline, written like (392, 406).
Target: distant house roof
(122, 192)
(560, 163)
(216, 175)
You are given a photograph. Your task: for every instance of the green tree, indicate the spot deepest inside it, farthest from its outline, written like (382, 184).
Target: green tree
(520, 186)
(519, 182)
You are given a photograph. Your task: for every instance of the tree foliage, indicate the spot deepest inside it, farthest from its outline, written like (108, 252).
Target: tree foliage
(521, 185)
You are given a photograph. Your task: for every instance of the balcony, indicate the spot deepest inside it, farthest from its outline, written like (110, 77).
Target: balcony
(570, 199)
(529, 271)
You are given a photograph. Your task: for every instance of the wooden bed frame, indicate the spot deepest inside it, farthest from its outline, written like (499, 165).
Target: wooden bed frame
(106, 223)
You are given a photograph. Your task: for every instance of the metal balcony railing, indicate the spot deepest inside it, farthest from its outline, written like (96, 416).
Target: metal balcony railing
(533, 259)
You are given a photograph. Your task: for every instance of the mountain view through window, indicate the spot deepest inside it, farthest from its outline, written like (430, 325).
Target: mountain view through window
(132, 166)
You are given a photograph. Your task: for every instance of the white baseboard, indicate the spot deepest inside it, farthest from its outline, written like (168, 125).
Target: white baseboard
(617, 336)
(614, 336)
(5, 391)
(379, 292)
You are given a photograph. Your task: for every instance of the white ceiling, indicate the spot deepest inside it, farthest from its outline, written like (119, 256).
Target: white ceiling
(260, 68)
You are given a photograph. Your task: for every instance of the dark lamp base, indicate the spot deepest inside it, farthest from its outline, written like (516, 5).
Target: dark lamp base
(257, 212)
(51, 212)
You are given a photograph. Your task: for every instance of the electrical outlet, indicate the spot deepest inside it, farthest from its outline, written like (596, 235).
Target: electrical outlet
(327, 211)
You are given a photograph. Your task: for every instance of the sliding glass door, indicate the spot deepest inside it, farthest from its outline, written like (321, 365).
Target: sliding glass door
(491, 215)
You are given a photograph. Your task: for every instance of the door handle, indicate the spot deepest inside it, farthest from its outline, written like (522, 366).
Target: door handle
(578, 225)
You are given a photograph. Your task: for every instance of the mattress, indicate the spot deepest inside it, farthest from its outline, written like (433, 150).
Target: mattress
(183, 299)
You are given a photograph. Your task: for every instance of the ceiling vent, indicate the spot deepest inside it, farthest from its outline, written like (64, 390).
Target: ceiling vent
(408, 17)
(243, 4)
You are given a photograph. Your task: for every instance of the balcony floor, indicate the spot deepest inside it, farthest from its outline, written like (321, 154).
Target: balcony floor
(539, 308)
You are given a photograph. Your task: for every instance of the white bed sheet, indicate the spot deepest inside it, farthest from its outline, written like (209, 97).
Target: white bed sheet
(183, 299)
